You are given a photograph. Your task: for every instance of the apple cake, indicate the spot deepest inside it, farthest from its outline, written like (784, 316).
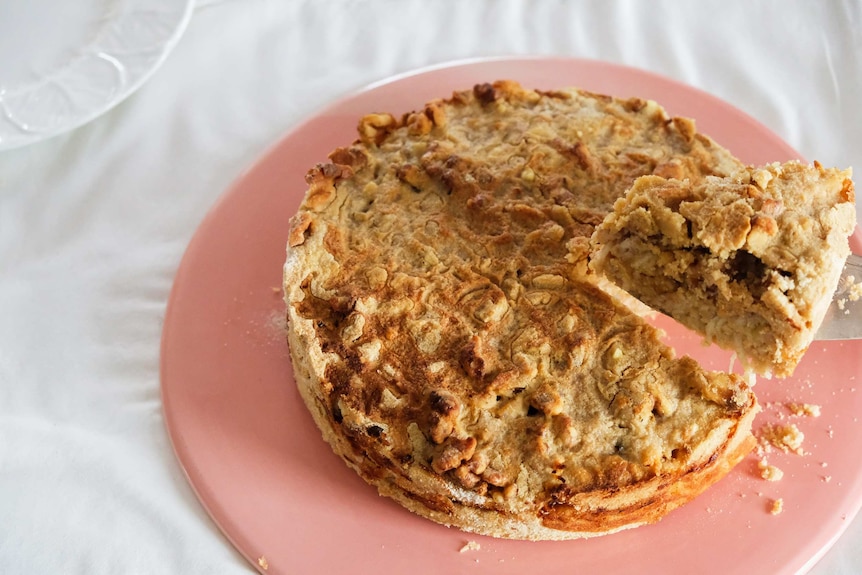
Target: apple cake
(750, 261)
(447, 337)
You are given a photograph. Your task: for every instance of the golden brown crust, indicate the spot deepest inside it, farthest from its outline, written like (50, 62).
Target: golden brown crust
(451, 346)
(751, 261)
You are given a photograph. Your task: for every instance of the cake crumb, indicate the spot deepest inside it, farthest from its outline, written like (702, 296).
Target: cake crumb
(777, 506)
(787, 438)
(470, 546)
(804, 409)
(769, 472)
(850, 287)
(264, 564)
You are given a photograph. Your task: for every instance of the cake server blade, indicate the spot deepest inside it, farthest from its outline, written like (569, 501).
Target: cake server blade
(844, 317)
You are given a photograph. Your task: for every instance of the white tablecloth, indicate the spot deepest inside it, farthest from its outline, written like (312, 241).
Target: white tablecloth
(93, 223)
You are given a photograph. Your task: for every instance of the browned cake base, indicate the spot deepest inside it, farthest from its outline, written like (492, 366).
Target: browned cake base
(750, 261)
(450, 344)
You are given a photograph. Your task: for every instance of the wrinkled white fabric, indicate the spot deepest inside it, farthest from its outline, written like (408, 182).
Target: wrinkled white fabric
(93, 223)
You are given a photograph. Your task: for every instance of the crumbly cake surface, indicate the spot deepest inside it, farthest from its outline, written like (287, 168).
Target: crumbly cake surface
(452, 348)
(750, 261)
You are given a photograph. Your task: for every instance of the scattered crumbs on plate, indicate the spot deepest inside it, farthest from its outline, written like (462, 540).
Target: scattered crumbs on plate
(777, 506)
(769, 472)
(824, 464)
(276, 290)
(827, 478)
(470, 546)
(774, 408)
(264, 564)
(787, 438)
(804, 409)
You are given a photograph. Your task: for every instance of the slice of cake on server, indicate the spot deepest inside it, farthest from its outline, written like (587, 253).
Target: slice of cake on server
(751, 261)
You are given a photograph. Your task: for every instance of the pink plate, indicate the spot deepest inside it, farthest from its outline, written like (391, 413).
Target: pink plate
(258, 463)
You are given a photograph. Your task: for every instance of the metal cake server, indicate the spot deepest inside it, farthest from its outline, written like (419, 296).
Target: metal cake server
(844, 317)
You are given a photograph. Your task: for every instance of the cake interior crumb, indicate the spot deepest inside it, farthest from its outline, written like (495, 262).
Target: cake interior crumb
(849, 287)
(769, 472)
(804, 409)
(787, 438)
(777, 506)
(470, 546)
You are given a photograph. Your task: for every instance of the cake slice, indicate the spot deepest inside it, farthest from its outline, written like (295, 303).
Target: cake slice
(750, 261)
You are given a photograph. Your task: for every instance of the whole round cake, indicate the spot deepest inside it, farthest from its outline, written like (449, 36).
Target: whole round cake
(451, 343)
